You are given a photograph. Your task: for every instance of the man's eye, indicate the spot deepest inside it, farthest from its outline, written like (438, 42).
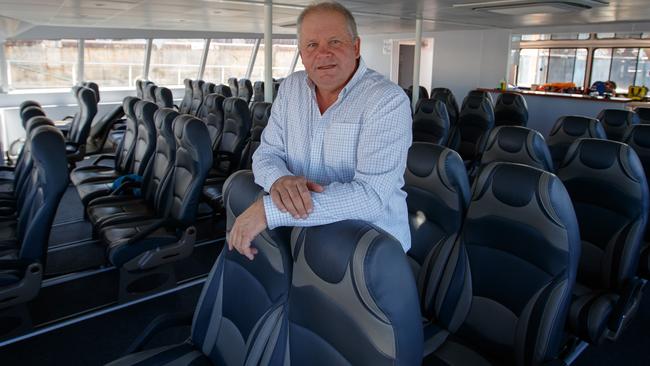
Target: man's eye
(311, 45)
(335, 42)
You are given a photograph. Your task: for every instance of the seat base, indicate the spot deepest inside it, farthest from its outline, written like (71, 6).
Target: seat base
(178, 354)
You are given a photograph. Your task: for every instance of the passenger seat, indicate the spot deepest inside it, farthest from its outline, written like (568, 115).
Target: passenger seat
(431, 122)
(475, 122)
(566, 130)
(617, 121)
(514, 144)
(511, 110)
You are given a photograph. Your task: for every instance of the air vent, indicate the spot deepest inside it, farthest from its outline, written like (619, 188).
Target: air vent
(524, 7)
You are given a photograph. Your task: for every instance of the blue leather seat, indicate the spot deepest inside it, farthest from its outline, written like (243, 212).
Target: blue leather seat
(353, 299)
(197, 97)
(234, 86)
(164, 97)
(514, 144)
(186, 102)
(245, 90)
(609, 191)
(240, 318)
(223, 90)
(501, 292)
(150, 93)
(510, 109)
(446, 96)
(643, 113)
(475, 122)
(438, 195)
(431, 122)
(617, 121)
(566, 130)
(80, 126)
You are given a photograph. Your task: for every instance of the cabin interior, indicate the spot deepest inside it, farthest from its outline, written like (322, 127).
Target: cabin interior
(127, 130)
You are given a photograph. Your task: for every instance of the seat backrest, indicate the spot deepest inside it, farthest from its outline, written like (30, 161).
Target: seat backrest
(138, 89)
(236, 127)
(193, 161)
(260, 114)
(87, 110)
(520, 221)
(28, 103)
(164, 97)
(446, 96)
(430, 122)
(515, 144)
(158, 174)
(511, 110)
(359, 279)
(150, 93)
(223, 90)
(29, 112)
(475, 122)
(145, 143)
(240, 318)
(197, 96)
(48, 182)
(478, 94)
(423, 92)
(638, 137)
(245, 90)
(258, 91)
(617, 121)
(208, 88)
(124, 153)
(438, 194)
(186, 103)
(609, 191)
(568, 129)
(25, 162)
(213, 117)
(94, 87)
(234, 86)
(643, 113)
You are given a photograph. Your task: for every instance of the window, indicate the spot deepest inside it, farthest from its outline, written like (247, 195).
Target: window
(114, 62)
(173, 60)
(41, 64)
(643, 68)
(283, 51)
(619, 35)
(532, 66)
(535, 37)
(299, 65)
(228, 58)
(624, 66)
(555, 65)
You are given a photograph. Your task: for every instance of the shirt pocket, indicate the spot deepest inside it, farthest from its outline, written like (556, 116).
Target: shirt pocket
(340, 149)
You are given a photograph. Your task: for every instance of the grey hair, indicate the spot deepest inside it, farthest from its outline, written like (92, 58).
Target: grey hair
(333, 6)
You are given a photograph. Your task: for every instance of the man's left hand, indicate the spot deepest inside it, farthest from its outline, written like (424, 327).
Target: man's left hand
(247, 226)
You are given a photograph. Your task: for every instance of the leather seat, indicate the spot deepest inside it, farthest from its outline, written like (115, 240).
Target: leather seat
(122, 158)
(28, 103)
(236, 129)
(245, 90)
(150, 93)
(223, 90)
(609, 191)
(353, 300)
(100, 130)
(446, 96)
(480, 94)
(617, 121)
(80, 125)
(437, 198)
(142, 244)
(110, 210)
(234, 86)
(431, 122)
(21, 268)
(8, 173)
(186, 103)
(643, 113)
(475, 122)
(208, 88)
(164, 97)
(566, 130)
(197, 97)
(479, 312)
(515, 144)
(423, 92)
(510, 110)
(258, 91)
(142, 152)
(29, 112)
(240, 318)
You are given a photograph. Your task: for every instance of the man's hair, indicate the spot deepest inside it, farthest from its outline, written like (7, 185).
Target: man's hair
(333, 6)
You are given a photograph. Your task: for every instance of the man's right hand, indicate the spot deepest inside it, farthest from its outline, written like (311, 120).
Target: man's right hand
(292, 194)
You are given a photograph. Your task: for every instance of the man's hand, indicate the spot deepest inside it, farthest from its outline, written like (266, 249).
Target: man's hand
(247, 226)
(292, 194)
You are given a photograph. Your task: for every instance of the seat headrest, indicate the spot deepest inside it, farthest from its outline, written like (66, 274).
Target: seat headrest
(164, 118)
(480, 106)
(150, 93)
(580, 126)
(187, 83)
(94, 87)
(639, 135)
(475, 95)
(618, 117)
(35, 122)
(128, 104)
(214, 103)
(144, 110)
(87, 96)
(48, 152)
(240, 191)
(599, 154)
(192, 134)
(164, 97)
(261, 112)
(208, 88)
(29, 103)
(28, 112)
(236, 108)
(223, 90)
(511, 106)
(643, 113)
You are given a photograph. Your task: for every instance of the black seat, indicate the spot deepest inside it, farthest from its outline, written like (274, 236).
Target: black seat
(113, 209)
(480, 312)
(150, 93)
(446, 96)
(21, 268)
(617, 121)
(169, 237)
(609, 191)
(186, 103)
(8, 173)
(358, 278)
(431, 122)
(245, 90)
(80, 125)
(240, 318)
(223, 90)
(423, 92)
(475, 122)
(260, 114)
(511, 110)
(142, 151)
(213, 116)
(92, 86)
(258, 91)
(234, 86)
(643, 113)
(121, 159)
(515, 144)
(100, 130)
(197, 96)
(208, 88)
(28, 103)
(438, 195)
(566, 130)
(164, 97)
(480, 94)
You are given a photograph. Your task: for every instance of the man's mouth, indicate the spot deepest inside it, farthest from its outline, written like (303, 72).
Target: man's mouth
(326, 67)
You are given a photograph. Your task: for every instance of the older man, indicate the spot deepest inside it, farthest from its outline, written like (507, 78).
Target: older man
(336, 143)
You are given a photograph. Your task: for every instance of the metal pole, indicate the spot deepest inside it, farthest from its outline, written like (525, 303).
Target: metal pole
(268, 52)
(147, 59)
(80, 61)
(294, 61)
(204, 59)
(251, 60)
(4, 69)
(416, 63)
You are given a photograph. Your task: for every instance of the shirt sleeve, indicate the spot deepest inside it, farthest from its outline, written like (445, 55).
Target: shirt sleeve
(384, 140)
(270, 158)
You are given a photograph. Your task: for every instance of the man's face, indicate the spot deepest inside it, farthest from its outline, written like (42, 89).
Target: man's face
(328, 51)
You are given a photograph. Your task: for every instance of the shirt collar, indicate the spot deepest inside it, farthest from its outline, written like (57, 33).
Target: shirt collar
(358, 74)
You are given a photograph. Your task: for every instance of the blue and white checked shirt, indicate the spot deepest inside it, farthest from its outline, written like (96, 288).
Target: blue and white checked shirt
(356, 150)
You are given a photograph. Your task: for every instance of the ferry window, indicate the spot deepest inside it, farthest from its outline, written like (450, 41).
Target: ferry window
(618, 65)
(569, 36)
(114, 62)
(567, 64)
(283, 51)
(173, 60)
(532, 66)
(601, 64)
(227, 58)
(643, 68)
(535, 37)
(619, 35)
(299, 65)
(41, 64)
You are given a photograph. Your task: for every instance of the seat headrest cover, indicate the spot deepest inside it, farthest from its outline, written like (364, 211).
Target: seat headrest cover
(27, 113)
(35, 122)
(639, 135)
(129, 106)
(223, 90)
(164, 117)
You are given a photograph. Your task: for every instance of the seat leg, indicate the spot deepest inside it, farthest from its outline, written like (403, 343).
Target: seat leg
(137, 284)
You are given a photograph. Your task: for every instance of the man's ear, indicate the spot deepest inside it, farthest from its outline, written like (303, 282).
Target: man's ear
(357, 47)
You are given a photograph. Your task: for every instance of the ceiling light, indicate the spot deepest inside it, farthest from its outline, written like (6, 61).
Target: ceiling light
(524, 7)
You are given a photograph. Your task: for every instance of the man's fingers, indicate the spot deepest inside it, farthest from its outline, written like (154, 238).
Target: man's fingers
(306, 197)
(277, 200)
(296, 198)
(314, 187)
(288, 202)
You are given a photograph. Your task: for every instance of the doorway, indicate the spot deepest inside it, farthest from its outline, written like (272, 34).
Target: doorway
(405, 66)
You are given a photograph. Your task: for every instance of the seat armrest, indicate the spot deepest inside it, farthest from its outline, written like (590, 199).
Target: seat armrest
(160, 323)
(126, 185)
(147, 231)
(103, 157)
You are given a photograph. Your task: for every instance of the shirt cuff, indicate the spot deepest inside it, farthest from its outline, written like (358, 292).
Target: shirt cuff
(275, 217)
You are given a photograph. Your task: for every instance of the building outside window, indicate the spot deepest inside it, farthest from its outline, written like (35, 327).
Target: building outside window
(228, 58)
(283, 52)
(41, 64)
(114, 63)
(174, 60)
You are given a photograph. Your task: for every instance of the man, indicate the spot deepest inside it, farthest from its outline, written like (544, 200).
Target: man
(336, 143)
